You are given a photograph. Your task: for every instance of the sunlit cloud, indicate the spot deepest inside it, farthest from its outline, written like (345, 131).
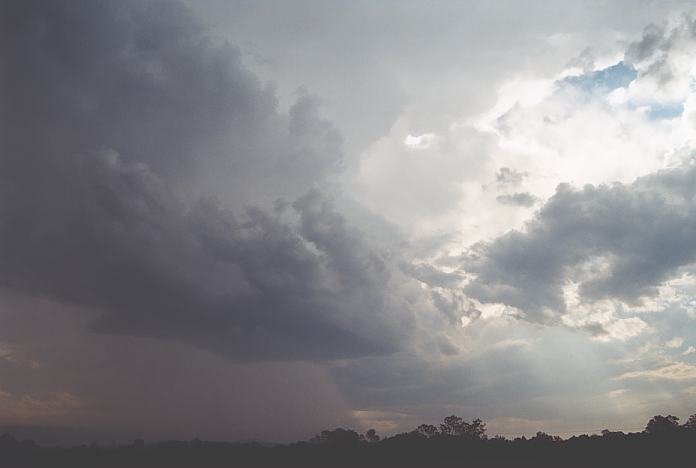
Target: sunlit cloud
(677, 371)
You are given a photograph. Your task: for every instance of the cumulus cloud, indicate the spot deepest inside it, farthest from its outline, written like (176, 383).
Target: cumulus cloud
(135, 147)
(662, 57)
(676, 342)
(617, 241)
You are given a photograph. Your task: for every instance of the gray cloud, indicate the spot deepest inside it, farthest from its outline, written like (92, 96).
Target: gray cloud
(507, 176)
(432, 276)
(498, 375)
(654, 50)
(124, 123)
(652, 42)
(517, 199)
(618, 241)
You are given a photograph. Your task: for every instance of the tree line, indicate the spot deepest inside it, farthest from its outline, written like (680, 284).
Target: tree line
(454, 442)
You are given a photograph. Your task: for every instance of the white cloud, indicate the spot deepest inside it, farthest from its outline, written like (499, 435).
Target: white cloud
(510, 343)
(676, 342)
(618, 393)
(600, 318)
(423, 141)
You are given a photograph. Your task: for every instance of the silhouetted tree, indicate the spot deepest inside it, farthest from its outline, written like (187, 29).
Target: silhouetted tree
(662, 425)
(606, 433)
(545, 438)
(476, 429)
(427, 430)
(457, 427)
(6, 440)
(452, 426)
(338, 436)
(691, 423)
(371, 436)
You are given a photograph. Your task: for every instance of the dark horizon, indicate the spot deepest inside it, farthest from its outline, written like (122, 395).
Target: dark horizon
(42, 436)
(454, 442)
(664, 423)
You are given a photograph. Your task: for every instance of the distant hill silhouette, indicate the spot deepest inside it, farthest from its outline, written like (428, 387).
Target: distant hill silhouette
(454, 443)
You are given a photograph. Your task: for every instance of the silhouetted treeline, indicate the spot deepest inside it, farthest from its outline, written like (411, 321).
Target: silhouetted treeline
(455, 442)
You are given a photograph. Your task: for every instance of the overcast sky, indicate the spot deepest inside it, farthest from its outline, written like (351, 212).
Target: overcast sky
(256, 220)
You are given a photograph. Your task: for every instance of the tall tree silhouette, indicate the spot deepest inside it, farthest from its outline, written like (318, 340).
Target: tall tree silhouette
(457, 427)
(662, 425)
(371, 436)
(427, 430)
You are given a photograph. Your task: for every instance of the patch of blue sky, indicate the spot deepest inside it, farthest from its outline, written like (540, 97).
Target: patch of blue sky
(618, 75)
(664, 111)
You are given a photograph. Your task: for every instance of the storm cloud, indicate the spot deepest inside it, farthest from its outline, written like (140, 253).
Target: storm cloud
(124, 128)
(259, 220)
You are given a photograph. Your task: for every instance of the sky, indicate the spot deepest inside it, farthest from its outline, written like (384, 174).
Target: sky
(241, 220)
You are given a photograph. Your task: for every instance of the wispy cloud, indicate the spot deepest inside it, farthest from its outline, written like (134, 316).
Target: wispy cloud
(677, 371)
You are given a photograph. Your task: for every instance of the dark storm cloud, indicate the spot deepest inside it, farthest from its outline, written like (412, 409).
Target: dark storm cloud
(122, 124)
(618, 241)
(525, 199)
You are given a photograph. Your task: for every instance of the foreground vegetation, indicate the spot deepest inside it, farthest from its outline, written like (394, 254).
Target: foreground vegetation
(455, 442)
